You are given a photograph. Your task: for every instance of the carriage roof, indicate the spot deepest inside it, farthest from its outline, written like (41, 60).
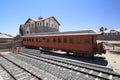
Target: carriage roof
(83, 32)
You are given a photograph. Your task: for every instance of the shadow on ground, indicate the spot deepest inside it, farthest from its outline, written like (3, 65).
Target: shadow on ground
(99, 60)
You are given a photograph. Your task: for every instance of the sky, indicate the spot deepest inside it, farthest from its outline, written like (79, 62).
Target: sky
(71, 14)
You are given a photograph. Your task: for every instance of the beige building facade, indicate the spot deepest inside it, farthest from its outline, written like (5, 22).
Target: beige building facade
(41, 25)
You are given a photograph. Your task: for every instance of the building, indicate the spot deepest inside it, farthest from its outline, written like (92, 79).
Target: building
(110, 35)
(41, 25)
(5, 41)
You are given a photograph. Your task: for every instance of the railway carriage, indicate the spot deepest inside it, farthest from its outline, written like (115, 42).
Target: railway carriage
(80, 43)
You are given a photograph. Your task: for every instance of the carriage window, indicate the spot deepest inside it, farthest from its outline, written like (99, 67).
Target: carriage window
(32, 40)
(23, 39)
(29, 39)
(65, 40)
(43, 38)
(86, 40)
(54, 40)
(59, 40)
(36, 40)
(78, 40)
(48, 40)
(71, 40)
(39, 40)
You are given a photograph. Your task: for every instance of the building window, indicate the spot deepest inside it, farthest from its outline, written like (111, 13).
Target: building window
(86, 40)
(119, 33)
(26, 25)
(27, 32)
(46, 24)
(56, 27)
(106, 34)
(29, 24)
(40, 24)
(52, 25)
(32, 25)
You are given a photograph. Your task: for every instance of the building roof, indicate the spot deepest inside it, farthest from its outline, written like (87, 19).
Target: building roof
(112, 31)
(5, 36)
(28, 20)
(42, 19)
(107, 31)
(117, 30)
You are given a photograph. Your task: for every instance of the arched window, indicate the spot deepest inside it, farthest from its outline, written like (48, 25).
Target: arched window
(27, 32)
(51, 25)
(56, 27)
(40, 24)
(46, 24)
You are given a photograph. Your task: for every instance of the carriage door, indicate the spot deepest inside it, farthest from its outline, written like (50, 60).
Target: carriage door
(94, 43)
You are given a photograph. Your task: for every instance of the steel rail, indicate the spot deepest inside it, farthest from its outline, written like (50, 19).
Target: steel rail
(8, 72)
(22, 68)
(37, 58)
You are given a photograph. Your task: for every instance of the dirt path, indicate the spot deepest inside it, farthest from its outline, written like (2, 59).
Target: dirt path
(113, 61)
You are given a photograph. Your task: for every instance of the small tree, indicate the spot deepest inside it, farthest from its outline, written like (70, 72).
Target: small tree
(20, 30)
(106, 29)
(102, 29)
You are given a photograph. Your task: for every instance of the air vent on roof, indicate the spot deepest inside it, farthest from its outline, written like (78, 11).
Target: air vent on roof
(40, 18)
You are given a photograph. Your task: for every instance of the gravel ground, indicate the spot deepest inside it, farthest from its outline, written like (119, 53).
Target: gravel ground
(113, 61)
(113, 55)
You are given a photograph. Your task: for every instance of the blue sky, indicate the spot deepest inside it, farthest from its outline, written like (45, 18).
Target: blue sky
(71, 14)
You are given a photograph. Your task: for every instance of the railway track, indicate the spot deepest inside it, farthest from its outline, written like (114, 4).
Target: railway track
(18, 70)
(77, 62)
(68, 70)
(4, 75)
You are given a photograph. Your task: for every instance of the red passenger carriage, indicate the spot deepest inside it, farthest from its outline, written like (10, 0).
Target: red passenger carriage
(80, 43)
